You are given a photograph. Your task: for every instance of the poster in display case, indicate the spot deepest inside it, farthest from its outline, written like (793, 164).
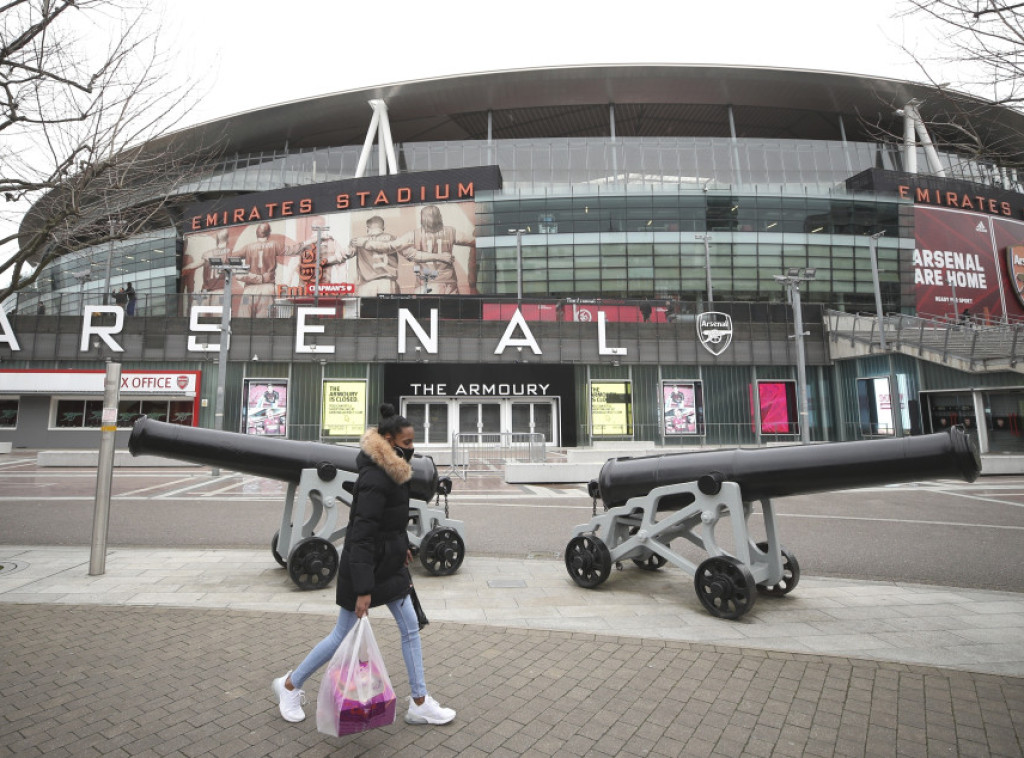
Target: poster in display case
(344, 408)
(682, 408)
(611, 409)
(266, 407)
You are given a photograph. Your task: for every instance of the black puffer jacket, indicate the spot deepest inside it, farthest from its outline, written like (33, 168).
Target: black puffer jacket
(376, 542)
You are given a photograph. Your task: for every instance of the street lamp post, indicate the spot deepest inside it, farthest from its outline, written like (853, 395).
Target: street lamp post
(873, 249)
(229, 266)
(792, 280)
(316, 292)
(82, 277)
(110, 256)
(707, 264)
(956, 305)
(519, 260)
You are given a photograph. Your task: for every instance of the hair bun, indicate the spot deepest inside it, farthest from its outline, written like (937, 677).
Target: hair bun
(387, 410)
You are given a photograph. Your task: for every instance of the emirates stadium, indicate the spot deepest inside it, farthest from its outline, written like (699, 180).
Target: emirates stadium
(533, 261)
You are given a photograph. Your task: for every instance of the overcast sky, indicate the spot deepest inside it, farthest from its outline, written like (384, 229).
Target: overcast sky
(243, 55)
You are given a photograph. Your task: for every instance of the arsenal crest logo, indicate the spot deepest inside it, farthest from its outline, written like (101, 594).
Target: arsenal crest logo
(307, 265)
(1015, 267)
(182, 382)
(714, 329)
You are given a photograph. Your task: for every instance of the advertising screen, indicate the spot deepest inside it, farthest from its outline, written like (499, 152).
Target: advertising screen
(682, 404)
(777, 405)
(611, 409)
(266, 407)
(344, 408)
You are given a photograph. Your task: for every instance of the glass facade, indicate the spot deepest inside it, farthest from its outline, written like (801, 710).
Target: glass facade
(147, 262)
(541, 166)
(603, 217)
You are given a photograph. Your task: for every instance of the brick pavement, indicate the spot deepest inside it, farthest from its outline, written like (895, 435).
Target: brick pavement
(148, 681)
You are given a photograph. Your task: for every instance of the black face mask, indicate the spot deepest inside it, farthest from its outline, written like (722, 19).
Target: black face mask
(405, 452)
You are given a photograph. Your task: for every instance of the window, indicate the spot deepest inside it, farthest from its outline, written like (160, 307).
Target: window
(8, 412)
(78, 414)
(82, 413)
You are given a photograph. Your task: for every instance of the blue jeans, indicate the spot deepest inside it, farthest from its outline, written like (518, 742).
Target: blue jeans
(408, 626)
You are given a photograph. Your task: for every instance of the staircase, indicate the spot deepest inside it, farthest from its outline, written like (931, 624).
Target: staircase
(970, 346)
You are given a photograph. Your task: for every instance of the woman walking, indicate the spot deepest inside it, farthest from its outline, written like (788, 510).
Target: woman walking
(373, 567)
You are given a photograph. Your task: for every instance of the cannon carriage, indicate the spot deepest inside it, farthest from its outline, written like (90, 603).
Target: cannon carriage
(320, 478)
(651, 501)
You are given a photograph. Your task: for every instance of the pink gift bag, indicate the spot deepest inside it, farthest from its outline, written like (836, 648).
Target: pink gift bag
(356, 693)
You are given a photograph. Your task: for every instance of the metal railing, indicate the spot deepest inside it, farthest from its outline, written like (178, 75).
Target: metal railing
(474, 452)
(975, 344)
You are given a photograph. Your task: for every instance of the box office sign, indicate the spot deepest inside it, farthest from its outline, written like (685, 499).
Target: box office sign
(28, 382)
(344, 408)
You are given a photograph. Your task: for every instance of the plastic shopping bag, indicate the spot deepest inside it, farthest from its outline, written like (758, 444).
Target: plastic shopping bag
(356, 693)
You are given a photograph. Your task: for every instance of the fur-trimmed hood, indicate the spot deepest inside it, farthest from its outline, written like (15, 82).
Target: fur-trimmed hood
(383, 454)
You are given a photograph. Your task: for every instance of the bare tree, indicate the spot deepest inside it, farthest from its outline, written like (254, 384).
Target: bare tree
(85, 142)
(978, 74)
(984, 40)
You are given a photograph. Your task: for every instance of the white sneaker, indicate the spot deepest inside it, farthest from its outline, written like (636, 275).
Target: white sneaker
(429, 713)
(289, 701)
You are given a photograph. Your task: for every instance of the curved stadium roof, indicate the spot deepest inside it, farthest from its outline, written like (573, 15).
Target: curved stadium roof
(572, 101)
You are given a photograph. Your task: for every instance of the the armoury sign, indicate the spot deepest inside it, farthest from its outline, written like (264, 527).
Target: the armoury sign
(714, 330)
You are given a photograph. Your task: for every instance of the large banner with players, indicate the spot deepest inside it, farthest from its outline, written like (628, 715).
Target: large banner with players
(389, 235)
(969, 243)
(967, 261)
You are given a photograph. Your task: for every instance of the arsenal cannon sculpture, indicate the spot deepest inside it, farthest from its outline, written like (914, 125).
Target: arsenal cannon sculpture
(650, 501)
(319, 477)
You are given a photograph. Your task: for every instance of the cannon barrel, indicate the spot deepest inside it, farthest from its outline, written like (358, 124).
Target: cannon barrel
(260, 456)
(797, 469)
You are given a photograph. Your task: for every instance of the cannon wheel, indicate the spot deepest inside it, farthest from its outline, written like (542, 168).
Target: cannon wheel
(725, 587)
(790, 574)
(588, 560)
(313, 563)
(441, 551)
(273, 550)
(652, 562)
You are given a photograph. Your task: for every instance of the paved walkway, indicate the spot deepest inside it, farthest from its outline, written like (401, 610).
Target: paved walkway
(170, 652)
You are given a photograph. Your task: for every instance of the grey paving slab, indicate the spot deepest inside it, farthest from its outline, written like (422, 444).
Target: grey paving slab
(977, 630)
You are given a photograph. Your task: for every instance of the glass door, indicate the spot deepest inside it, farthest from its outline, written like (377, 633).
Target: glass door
(534, 418)
(430, 420)
(483, 419)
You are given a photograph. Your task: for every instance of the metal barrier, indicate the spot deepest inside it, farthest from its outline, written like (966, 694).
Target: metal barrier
(479, 452)
(977, 344)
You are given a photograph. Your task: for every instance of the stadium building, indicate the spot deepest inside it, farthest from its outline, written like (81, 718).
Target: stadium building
(663, 255)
